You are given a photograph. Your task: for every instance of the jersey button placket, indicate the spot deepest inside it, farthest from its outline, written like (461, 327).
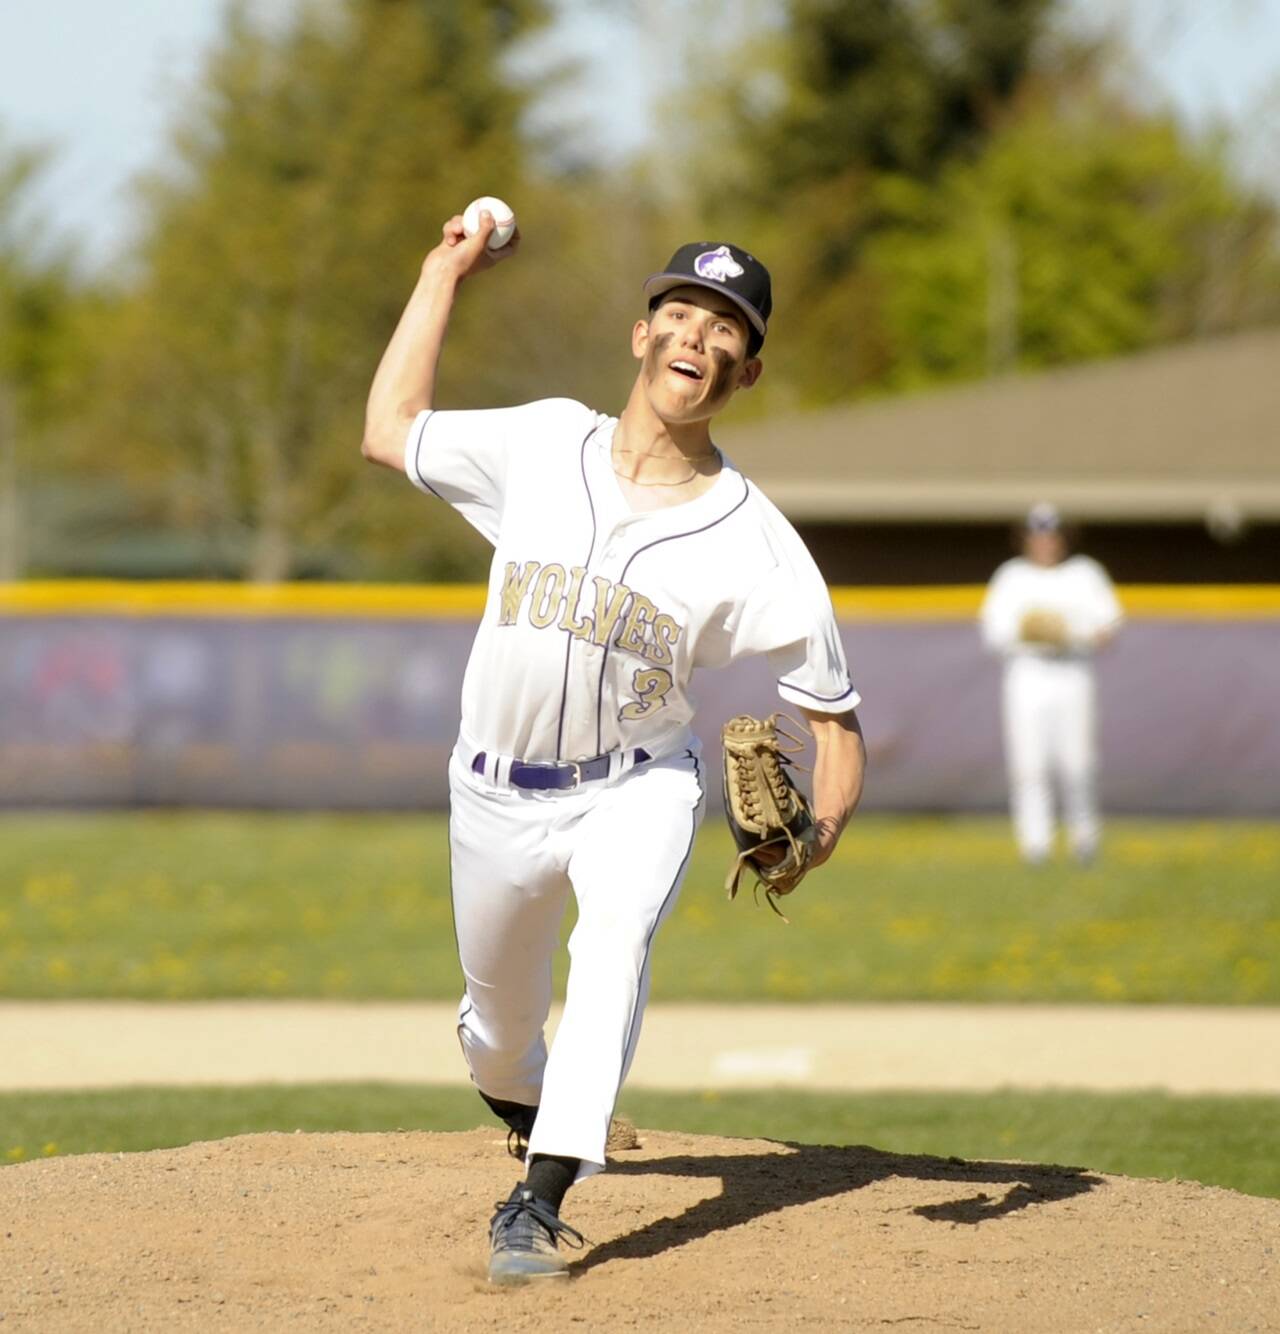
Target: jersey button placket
(608, 566)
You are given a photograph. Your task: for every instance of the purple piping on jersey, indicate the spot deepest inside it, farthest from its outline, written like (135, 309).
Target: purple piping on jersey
(826, 699)
(648, 941)
(591, 551)
(657, 542)
(417, 449)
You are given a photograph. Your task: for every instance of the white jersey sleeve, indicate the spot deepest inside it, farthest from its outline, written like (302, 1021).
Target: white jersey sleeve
(1100, 611)
(788, 615)
(463, 456)
(1002, 609)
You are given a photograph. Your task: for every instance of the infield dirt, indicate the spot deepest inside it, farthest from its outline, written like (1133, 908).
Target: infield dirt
(388, 1232)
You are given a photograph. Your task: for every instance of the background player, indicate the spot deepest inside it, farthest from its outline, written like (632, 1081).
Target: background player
(628, 553)
(1046, 613)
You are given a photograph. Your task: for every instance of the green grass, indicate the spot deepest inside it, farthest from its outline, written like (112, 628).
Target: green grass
(1216, 1140)
(179, 905)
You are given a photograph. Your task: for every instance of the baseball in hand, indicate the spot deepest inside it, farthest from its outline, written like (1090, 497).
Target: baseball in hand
(503, 218)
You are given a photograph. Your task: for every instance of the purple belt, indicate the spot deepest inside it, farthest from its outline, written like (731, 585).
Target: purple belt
(558, 775)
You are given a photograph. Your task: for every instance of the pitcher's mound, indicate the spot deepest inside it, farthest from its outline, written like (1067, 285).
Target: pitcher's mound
(389, 1232)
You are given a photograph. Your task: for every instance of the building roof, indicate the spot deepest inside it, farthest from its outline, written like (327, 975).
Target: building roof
(1188, 432)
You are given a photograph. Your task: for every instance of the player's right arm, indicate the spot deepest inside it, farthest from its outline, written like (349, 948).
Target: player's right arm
(404, 383)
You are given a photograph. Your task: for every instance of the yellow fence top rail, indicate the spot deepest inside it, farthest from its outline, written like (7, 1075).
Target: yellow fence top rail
(1141, 601)
(110, 597)
(103, 597)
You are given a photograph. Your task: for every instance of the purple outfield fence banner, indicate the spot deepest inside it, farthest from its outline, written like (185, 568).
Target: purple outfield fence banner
(360, 712)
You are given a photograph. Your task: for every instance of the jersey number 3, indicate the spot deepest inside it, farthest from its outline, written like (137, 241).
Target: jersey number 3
(651, 685)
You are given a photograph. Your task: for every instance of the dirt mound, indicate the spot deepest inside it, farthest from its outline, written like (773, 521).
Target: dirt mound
(388, 1232)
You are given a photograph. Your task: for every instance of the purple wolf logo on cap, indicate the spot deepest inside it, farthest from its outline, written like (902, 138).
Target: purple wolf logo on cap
(718, 264)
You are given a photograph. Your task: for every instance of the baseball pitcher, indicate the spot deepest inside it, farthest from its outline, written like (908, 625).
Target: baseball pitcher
(629, 553)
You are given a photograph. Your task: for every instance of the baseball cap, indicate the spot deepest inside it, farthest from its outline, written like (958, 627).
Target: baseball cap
(723, 268)
(1043, 518)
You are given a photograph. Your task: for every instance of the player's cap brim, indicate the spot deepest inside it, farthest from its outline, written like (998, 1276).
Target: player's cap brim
(661, 283)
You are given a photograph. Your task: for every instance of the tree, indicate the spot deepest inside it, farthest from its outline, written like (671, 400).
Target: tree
(944, 188)
(891, 86)
(842, 96)
(1069, 239)
(279, 252)
(36, 325)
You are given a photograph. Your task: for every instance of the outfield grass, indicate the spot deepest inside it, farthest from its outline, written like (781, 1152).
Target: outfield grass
(1219, 1141)
(182, 905)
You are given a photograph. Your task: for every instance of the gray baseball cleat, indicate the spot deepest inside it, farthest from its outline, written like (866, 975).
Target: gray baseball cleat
(524, 1234)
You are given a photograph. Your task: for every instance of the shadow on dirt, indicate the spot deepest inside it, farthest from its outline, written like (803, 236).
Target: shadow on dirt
(760, 1184)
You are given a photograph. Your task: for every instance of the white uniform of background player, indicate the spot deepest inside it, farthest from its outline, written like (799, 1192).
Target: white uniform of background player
(629, 554)
(1046, 613)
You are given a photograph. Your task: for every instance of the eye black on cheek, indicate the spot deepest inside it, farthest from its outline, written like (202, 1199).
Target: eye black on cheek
(726, 366)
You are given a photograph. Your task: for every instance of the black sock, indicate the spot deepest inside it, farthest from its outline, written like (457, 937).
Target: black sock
(550, 1177)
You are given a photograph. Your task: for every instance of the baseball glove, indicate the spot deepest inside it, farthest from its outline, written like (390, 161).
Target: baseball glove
(1046, 628)
(770, 819)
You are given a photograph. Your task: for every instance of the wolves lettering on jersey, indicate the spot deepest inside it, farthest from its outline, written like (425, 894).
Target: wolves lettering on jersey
(550, 596)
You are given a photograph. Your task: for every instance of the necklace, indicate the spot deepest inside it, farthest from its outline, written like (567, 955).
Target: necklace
(684, 481)
(642, 454)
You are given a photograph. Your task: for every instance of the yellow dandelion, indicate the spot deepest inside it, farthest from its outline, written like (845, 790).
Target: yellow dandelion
(58, 969)
(1107, 985)
(909, 930)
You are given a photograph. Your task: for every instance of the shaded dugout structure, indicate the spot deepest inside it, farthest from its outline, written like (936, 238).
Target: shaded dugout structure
(1170, 461)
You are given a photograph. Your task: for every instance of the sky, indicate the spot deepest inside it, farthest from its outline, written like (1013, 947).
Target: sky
(99, 81)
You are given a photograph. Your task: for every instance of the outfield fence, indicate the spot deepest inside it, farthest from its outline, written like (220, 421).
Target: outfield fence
(346, 696)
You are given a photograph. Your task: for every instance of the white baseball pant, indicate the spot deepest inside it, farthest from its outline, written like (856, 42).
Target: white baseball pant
(1049, 727)
(622, 848)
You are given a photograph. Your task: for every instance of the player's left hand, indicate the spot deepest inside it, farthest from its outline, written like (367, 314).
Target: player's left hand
(1047, 628)
(826, 836)
(770, 819)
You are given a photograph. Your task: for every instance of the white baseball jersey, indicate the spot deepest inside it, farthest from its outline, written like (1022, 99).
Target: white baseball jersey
(1078, 589)
(597, 616)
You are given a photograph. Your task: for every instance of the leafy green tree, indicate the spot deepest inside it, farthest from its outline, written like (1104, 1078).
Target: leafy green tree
(893, 86)
(36, 336)
(945, 190)
(814, 115)
(312, 172)
(1070, 238)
